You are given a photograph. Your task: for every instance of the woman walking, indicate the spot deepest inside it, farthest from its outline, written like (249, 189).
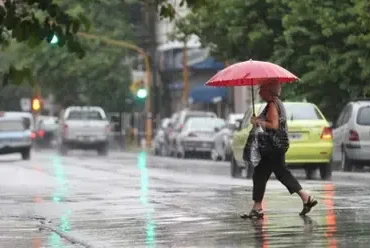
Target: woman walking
(273, 117)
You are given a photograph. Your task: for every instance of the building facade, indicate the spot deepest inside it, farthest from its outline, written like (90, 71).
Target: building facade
(201, 66)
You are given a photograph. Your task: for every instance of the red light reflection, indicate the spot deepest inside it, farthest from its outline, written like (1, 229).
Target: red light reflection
(331, 223)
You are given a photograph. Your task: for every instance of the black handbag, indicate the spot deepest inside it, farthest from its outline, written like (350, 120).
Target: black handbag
(273, 140)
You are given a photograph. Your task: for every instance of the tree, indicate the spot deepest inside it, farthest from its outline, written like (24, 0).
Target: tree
(322, 43)
(101, 77)
(325, 43)
(236, 29)
(167, 8)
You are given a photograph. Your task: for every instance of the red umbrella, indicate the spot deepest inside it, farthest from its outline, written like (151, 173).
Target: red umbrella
(249, 73)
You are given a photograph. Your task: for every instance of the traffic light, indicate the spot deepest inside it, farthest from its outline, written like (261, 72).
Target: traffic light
(36, 104)
(53, 39)
(142, 93)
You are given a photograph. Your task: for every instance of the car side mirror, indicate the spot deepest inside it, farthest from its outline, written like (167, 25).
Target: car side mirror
(217, 129)
(238, 125)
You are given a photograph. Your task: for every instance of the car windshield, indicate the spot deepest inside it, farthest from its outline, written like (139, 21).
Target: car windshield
(302, 112)
(27, 123)
(85, 115)
(363, 117)
(11, 126)
(204, 124)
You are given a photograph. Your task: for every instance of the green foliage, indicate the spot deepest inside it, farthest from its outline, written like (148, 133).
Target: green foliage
(33, 21)
(99, 78)
(326, 43)
(167, 9)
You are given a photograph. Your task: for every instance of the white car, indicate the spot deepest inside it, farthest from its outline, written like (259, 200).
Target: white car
(352, 136)
(85, 128)
(15, 137)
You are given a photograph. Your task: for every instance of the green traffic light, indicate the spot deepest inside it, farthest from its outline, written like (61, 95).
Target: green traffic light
(54, 40)
(142, 93)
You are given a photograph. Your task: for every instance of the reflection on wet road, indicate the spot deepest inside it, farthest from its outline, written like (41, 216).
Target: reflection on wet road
(136, 200)
(144, 188)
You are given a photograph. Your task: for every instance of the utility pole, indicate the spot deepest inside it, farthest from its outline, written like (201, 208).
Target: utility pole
(185, 74)
(152, 18)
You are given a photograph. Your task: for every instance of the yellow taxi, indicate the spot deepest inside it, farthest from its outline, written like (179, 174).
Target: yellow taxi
(310, 135)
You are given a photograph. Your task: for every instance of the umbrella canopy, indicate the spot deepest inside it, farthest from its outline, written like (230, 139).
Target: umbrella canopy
(249, 73)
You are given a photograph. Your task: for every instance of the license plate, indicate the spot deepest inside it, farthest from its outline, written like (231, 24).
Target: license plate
(86, 138)
(295, 136)
(204, 145)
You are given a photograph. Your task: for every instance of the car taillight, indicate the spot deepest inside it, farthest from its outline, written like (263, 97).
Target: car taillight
(33, 135)
(41, 133)
(326, 133)
(192, 135)
(107, 128)
(353, 136)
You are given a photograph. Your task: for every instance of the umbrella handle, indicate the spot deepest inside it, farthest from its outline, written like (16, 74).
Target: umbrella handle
(253, 109)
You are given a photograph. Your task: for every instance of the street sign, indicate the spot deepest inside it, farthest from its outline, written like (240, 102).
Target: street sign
(25, 104)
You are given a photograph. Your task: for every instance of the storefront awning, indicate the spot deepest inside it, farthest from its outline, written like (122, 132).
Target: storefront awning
(204, 94)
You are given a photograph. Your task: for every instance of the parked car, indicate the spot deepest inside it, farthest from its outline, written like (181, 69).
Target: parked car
(15, 136)
(159, 138)
(196, 136)
(352, 135)
(85, 128)
(310, 135)
(223, 139)
(178, 123)
(46, 130)
(232, 119)
(28, 119)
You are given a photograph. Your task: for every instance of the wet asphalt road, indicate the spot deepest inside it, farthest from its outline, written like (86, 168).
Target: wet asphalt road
(134, 200)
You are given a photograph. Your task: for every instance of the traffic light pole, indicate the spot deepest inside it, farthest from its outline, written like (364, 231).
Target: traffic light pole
(35, 113)
(148, 103)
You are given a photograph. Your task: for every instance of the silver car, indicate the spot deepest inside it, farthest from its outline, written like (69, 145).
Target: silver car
(178, 123)
(223, 140)
(15, 137)
(197, 136)
(352, 136)
(159, 138)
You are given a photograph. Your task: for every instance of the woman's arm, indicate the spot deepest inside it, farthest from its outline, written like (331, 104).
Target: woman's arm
(272, 118)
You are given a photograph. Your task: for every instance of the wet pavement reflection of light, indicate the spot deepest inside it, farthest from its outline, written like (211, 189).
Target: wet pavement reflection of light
(144, 188)
(58, 196)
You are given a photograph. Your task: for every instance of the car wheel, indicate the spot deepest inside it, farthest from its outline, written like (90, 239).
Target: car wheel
(326, 171)
(103, 150)
(63, 149)
(163, 150)
(235, 170)
(156, 151)
(310, 173)
(214, 155)
(346, 163)
(227, 156)
(26, 154)
(180, 153)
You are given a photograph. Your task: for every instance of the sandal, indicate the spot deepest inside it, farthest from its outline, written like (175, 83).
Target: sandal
(253, 214)
(307, 207)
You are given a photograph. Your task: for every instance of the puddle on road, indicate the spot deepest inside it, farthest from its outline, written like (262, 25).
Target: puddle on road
(54, 240)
